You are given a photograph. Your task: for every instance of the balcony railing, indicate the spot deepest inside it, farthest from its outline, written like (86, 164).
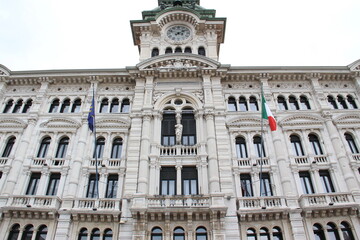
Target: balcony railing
(247, 162)
(303, 160)
(107, 162)
(325, 199)
(260, 202)
(100, 204)
(50, 162)
(178, 201)
(178, 150)
(34, 201)
(3, 161)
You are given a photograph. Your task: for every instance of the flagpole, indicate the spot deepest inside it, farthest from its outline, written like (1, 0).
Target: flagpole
(95, 144)
(261, 137)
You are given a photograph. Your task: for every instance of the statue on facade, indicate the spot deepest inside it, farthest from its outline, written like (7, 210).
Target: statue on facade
(178, 133)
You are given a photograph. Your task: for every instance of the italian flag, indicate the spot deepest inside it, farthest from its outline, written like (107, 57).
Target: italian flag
(266, 114)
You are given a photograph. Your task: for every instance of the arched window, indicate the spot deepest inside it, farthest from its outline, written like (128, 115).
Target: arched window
(342, 102)
(14, 232)
(28, 232)
(156, 234)
(201, 51)
(116, 148)
(276, 233)
(296, 145)
(253, 104)
(27, 106)
(168, 128)
(304, 103)
(351, 101)
(189, 128)
(104, 106)
(114, 108)
(351, 143)
(95, 234)
(243, 104)
(178, 50)
(332, 231)
(44, 146)
(264, 234)
(201, 233)
(108, 234)
(188, 50)
(315, 144)
(65, 107)
(346, 231)
(18, 106)
(332, 102)
(76, 106)
(8, 106)
(125, 105)
(251, 234)
(155, 52)
(294, 105)
(9, 145)
(232, 104)
(257, 146)
(282, 103)
(168, 50)
(54, 107)
(62, 147)
(41, 233)
(99, 149)
(83, 234)
(179, 234)
(241, 151)
(318, 232)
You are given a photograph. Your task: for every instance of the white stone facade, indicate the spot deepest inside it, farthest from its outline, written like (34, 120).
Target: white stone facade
(201, 184)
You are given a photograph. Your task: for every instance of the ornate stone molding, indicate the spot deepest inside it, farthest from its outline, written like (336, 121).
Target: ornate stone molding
(61, 123)
(11, 123)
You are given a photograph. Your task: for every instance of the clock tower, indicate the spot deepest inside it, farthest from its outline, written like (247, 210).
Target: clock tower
(180, 27)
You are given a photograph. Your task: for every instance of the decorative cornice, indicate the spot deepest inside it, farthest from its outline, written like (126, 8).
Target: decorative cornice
(347, 120)
(111, 122)
(8, 123)
(301, 120)
(61, 123)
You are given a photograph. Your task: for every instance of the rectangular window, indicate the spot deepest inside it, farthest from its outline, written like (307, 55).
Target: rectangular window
(326, 181)
(189, 181)
(189, 128)
(266, 189)
(112, 185)
(306, 183)
(53, 184)
(168, 129)
(246, 185)
(92, 187)
(168, 181)
(33, 183)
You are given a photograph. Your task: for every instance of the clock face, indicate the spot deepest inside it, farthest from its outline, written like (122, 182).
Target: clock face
(178, 33)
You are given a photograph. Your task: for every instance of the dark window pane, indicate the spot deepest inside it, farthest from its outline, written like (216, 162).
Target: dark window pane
(99, 148)
(8, 106)
(188, 50)
(168, 129)
(266, 189)
(116, 148)
(9, 145)
(243, 104)
(27, 106)
(41, 233)
(246, 185)
(232, 104)
(125, 105)
(155, 52)
(44, 146)
(189, 128)
(53, 184)
(83, 234)
(33, 183)
(27, 233)
(14, 232)
(168, 181)
(257, 146)
(18, 106)
(62, 148)
(293, 103)
(241, 151)
(306, 182)
(315, 144)
(296, 145)
(65, 107)
(254, 104)
(112, 185)
(326, 181)
(168, 50)
(201, 51)
(92, 187)
(351, 143)
(104, 106)
(189, 181)
(342, 102)
(76, 106)
(114, 108)
(351, 101)
(346, 231)
(282, 103)
(54, 107)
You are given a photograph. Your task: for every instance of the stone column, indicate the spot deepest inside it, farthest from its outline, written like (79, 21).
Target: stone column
(64, 173)
(213, 169)
(144, 156)
(43, 183)
(315, 177)
(77, 161)
(63, 227)
(340, 152)
(297, 224)
(19, 156)
(178, 179)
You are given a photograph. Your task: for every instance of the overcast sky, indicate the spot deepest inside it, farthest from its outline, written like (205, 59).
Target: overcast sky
(87, 34)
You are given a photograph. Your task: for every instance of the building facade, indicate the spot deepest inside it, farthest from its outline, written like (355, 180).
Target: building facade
(181, 149)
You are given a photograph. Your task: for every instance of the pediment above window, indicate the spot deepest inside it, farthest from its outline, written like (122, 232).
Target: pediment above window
(300, 121)
(245, 123)
(11, 123)
(63, 123)
(178, 62)
(348, 120)
(112, 123)
(4, 71)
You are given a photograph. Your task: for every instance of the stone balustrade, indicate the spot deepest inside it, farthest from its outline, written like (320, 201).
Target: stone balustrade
(178, 201)
(34, 201)
(356, 157)
(49, 161)
(107, 162)
(325, 199)
(178, 150)
(248, 162)
(304, 160)
(100, 204)
(261, 202)
(3, 161)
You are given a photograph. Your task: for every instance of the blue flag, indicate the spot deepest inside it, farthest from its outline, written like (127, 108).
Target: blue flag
(91, 116)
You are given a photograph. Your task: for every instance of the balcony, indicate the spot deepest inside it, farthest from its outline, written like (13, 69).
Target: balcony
(262, 208)
(248, 162)
(32, 206)
(55, 162)
(178, 202)
(107, 162)
(307, 160)
(4, 161)
(356, 157)
(328, 204)
(88, 209)
(179, 150)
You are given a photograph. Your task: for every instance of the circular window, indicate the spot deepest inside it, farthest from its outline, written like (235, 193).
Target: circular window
(178, 102)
